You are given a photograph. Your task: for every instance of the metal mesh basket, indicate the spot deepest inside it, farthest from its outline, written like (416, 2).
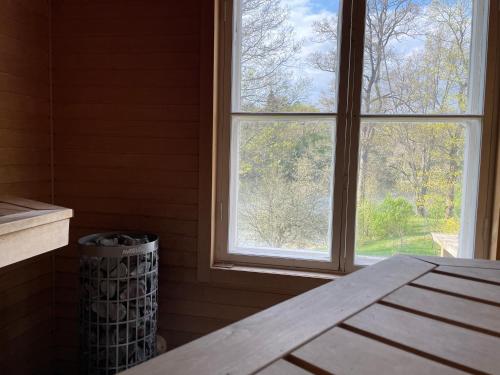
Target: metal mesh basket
(118, 300)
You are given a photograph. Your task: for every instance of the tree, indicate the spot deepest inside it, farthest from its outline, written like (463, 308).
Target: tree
(284, 184)
(268, 47)
(435, 80)
(326, 31)
(286, 166)
(386, 22)
(392, 217)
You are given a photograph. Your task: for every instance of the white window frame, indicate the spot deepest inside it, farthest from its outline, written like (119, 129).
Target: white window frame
(348, 118)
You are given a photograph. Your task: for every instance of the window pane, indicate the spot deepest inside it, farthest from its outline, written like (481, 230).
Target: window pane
(417, 188)
(281, 187)
(424, 56)
(285, 56)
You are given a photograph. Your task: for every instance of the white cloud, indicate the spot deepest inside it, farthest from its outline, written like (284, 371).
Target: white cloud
(303, 15)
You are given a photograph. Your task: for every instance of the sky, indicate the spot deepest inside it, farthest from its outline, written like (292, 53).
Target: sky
(303, 14)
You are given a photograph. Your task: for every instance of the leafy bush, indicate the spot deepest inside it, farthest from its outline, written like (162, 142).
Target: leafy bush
(391, 218)
(365, 223)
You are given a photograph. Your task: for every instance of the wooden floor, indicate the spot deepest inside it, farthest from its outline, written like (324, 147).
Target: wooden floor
(403, 315)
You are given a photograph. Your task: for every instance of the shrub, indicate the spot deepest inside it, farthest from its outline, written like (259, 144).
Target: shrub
(391, 218)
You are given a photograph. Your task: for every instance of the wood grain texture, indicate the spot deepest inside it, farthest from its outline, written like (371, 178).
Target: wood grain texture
(25, 170)
(248, 345)
(479, 274)
(33, 241)
(473, 350)
(456, 262)
(283, 367)
(341, 352)
(474, 290)
(475, 315)
(130, 89)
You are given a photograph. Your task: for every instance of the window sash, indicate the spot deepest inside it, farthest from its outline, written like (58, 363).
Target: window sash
(279, 257)
(470, 176)
(348, 121)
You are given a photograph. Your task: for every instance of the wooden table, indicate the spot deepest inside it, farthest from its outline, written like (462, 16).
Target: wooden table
(405, 315)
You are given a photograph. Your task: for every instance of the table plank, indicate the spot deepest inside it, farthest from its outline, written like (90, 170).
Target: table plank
(479, 274)
(473, 314)
(339, 351)
(445, 342)
(283, 367)
(458, 262)
(462, 287)
(253, 343)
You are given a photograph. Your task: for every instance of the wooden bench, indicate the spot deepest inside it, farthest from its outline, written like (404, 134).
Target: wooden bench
(447, 242)
(411, 315)
(29, 228)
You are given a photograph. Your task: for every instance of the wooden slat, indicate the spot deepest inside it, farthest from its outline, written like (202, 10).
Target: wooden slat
(28, 219)
(342, 352)
(125, 26)
(455, 309)
(479, 274)
(127, 145)
(255, 342)
(11, 208)
(457, 262)
(461, 287)
(139, 9)
(25, 287)
(29, 203)
(283, 367)
(32, 242)
(131, 78)
(474, 351)
(161, 177)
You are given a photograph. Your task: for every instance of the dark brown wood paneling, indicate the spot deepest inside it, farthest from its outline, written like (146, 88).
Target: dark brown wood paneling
(126, 119)
(127, 106)
(26, 288)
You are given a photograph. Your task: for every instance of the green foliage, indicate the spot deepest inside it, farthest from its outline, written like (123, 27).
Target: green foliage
(392, 217)
(451, 226)
(285, 184)
(285, 167)
(365, 224)
(435, 206)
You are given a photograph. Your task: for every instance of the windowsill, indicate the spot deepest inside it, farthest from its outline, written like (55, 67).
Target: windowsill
(276, 271)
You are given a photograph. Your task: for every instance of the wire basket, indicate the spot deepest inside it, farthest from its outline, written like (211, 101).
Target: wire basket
(118, 300)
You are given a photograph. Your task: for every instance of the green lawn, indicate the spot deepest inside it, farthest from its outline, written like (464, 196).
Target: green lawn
(418, 242)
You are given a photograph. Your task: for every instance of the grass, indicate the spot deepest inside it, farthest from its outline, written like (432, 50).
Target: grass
(417, 242)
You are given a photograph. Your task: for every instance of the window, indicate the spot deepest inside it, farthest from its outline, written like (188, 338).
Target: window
(326, 160)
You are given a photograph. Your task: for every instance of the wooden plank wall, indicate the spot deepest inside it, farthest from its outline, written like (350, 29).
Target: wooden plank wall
(26, 288)
(126, 117)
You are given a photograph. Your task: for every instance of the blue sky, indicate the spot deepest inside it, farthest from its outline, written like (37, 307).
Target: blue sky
(303, 14)
(318, 5)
